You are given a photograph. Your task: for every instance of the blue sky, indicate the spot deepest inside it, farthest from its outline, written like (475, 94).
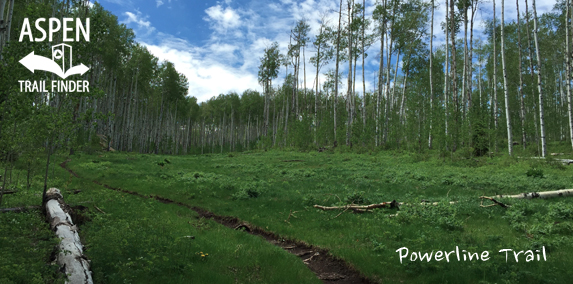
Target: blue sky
(217, 44)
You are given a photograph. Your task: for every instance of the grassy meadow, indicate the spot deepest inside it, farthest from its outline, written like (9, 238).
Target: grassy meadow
(141, 240)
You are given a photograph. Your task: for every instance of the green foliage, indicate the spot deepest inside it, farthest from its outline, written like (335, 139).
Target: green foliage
(535, 173)
(26, 243)
(356, 198)
(480, 139)
(250, 190)
(262, 189)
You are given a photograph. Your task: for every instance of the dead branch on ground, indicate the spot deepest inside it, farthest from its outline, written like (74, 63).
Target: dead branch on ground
(494, 201)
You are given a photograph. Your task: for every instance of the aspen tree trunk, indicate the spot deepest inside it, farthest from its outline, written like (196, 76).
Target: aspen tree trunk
(520, 89)
(465, 69)
(133, 116)
(431, 72)
(494, 81)
(394, 97)
(454, 77)
(402, 110)
(188, 140)
(222, 132)
(541, 114)
(349, 91)
(275, 124)
(286, 121)
(470, 63)
(353, 100)
(203, 136)
(304, 74)
(568, 69)
(159, 124)
(175, 128)
(9, 22)
(363, 75)
(232, 141)
(265, 109)
(316, 92)
(112, 122)
(380, 81)
(507, 113)
(531, 68)
(336, 72)
(388, 63)
(297, 108)
(2, 6)
(446, 71)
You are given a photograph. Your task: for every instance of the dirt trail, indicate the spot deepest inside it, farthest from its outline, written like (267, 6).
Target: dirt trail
(327, 268)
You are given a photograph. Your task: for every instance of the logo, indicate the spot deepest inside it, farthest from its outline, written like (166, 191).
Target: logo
(35, 62)
(61, 63)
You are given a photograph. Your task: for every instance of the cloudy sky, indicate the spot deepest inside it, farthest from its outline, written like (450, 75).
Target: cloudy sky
(217, 44)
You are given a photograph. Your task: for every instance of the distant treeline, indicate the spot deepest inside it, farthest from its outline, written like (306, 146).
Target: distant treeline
(513, 89)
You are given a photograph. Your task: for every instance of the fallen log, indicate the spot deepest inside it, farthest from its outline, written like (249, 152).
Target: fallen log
(364, 208)
(542, 194)
(563, 161)
(70, 257)
(19, 209)
(392, 204)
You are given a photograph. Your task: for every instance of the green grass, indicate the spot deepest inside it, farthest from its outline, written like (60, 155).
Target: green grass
(26, 243)
(144, 240)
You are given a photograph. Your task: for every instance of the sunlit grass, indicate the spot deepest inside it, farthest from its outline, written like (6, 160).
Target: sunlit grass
(142, 240)
(263, 188)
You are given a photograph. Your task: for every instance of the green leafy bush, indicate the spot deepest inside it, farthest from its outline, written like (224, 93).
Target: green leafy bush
(535, 173)
(356, 197)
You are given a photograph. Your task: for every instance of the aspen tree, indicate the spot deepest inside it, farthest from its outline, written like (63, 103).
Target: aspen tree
(539, 87)
(505, 90)
(520, 88)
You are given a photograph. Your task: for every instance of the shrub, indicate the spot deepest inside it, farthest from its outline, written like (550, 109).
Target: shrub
(535, 173)
(356, 197)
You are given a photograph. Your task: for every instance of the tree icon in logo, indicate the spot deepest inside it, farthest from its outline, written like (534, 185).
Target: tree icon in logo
(62, 53)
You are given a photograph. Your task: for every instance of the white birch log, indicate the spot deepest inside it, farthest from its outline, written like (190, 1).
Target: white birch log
(543, 194)
(362, 208)
(563, 161)
(70, 256)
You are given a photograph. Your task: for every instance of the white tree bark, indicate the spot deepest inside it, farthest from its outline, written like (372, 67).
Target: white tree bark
(431, 85)
(495, 119)
(446, 73)
(70, 257)
(543, 194)
(520, 89)
(507, 114)
(568, 70)
(541, 114)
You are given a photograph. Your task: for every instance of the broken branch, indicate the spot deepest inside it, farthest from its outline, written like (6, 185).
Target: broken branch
(392, 204)
(99, 209)
(494, 201)
(19, 209)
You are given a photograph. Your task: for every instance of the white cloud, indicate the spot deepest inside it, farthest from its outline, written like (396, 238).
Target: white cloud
(222, 19)
(133, 18)
(207, 76)
(228, 60)
(142, 23)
